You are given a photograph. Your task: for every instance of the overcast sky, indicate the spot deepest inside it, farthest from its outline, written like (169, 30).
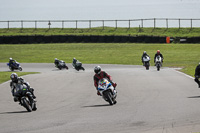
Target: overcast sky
(97, 9)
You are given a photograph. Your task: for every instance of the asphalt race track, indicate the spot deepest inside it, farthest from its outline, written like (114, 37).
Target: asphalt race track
(150, 101)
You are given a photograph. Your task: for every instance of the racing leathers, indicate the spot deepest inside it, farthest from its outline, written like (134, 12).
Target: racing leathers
(13, 85)
(56, 62)
(102, 75)
(197, 75)
(158, 55)
(145, 54)
(12, 62)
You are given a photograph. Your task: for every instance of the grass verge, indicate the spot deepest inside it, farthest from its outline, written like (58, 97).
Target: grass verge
(185, 56)
(5, 76)
(172, 32)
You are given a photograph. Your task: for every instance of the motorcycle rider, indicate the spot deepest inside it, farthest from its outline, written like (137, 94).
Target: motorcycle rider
(157, 54)
(11, 62)
(74, 62)
(197, 74)
(100, 75)
(143, 55)
(18, 80)
(56, 62)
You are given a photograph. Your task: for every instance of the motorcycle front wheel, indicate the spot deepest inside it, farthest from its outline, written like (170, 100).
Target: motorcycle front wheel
(108, 96)
(26, 105)
(158, 68)
(20, 68)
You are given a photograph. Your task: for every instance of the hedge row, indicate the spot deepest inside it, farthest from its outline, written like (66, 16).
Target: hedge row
(78, 39)
(91, 39)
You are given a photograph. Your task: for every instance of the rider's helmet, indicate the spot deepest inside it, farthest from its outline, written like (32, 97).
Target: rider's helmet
(10, 59)
(97, 69)
(74, 60)
(144, 52)
(158, 52)
(14, 77)
(56, 59)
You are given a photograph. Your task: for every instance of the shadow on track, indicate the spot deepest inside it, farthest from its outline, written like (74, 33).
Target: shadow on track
(15, 112)
(194, 97)
(103, 105)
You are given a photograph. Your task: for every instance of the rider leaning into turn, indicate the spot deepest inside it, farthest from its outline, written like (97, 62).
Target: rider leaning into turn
(11, 62)
(157, 54)
(18, 80)
(100, 75)
(197, 74)
(56, 62)
(74, 61)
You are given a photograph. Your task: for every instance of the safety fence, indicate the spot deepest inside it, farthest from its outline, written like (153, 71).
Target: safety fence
(151, 22)
(93, 39)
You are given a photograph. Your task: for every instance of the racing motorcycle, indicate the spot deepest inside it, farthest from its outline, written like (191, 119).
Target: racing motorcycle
(158, 62)
(78, 66)
(14, 66)
(107, 91)
(146, 60)
(25, 97)
(61, 65)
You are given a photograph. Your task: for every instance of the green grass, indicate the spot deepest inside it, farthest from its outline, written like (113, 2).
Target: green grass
(172, 32)
(185, 56)
(5, 76)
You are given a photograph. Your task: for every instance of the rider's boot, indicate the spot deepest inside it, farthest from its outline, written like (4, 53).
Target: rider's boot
(15, 99)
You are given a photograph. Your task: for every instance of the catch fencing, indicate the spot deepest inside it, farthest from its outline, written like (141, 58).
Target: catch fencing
(131, 23)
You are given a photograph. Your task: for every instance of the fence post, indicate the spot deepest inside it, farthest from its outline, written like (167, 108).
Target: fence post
(62, 24)
(167, 23)
(49, 24)
(154, 23)
(142, 23)
(90, 24)
(35, 24)
(179, 21)
(115, 24)
(191, 23)
(76, 24)
(129, 24)
(103, 24)
(21, 24)
(139, 29)
(8, 25)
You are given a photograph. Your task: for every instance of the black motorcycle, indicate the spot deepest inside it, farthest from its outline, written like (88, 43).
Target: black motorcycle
(78, 66)
(25, 97)
(62, 65)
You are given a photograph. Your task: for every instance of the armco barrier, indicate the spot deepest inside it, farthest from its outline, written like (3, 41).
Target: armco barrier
(23, 39)
(39, 39)
(47, 39)
(31, 39)
(189, 40)
(93, 39)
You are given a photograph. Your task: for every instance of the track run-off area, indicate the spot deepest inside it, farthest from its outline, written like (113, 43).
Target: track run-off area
(148, 101)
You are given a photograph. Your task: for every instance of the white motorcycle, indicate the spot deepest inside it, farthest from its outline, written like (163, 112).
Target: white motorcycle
(158, 62)
(107, 91)
(146, 60)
